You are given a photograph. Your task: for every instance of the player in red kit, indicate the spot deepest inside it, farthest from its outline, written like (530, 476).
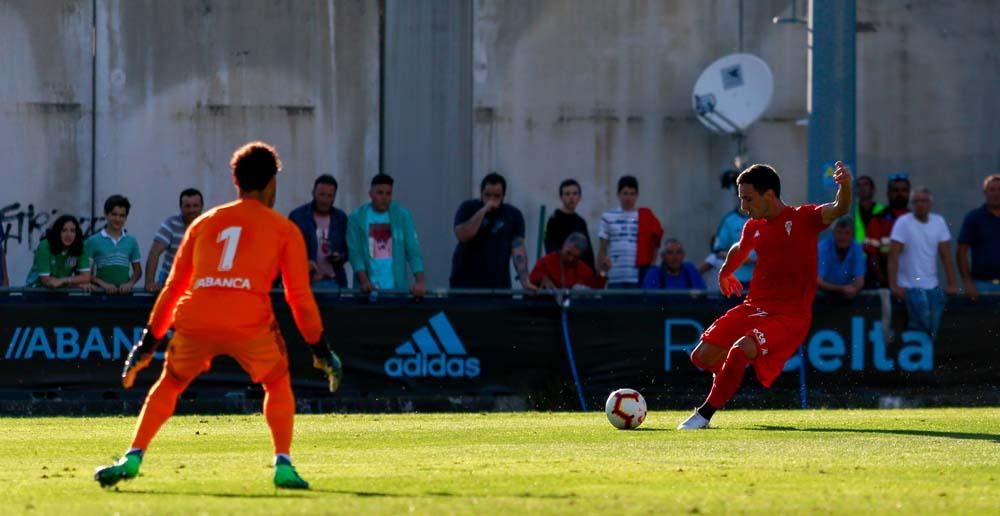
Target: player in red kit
(774, 319)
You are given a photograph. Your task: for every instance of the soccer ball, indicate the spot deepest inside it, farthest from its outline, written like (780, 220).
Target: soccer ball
(626, 409)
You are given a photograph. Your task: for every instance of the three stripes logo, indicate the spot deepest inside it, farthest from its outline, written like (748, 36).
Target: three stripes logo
(439, 354)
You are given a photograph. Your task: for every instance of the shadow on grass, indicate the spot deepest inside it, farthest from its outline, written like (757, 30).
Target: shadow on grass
(918, 433)
(360, 494)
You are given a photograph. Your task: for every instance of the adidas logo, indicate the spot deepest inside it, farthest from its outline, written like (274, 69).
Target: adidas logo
(440, 357)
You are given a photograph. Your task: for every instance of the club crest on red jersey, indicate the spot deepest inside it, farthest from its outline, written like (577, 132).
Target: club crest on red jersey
(788, 227)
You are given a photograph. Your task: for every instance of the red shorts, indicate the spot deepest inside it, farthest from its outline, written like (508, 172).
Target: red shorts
(263, 358)
(776, 336)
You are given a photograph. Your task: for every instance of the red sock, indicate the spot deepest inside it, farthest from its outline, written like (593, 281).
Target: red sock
(728, 380)
(159, 406)
(279, 410)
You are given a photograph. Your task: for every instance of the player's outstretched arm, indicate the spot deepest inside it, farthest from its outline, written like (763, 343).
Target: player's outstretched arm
(842, 204)
(139, 357)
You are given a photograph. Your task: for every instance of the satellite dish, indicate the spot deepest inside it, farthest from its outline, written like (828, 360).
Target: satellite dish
(733, 93)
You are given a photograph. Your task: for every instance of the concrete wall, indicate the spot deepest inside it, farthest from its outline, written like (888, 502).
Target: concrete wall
(179, 86)
(591, 89)
(595, 90)
(927, 97)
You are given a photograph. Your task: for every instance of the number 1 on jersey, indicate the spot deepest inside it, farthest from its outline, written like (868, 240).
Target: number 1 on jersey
(231, 236)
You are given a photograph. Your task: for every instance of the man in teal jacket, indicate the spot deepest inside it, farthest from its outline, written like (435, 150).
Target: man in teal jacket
(382, 241)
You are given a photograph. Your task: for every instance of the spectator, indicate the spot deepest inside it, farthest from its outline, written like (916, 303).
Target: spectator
(61, 259)
(382, 241)
(879, 229)
(726, 235)
(490, 234)
(629, 238)
(168, 238)
(980, 233)
(565, 268)
(565, 221)
(673, 273)
(113, 250)
(324, 228)
(866, 207)
(841, 262)
(917, 238)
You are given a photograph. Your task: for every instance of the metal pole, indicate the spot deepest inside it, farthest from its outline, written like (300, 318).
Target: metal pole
(832, 85)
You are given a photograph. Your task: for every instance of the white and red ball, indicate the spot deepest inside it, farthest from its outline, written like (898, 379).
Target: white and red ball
(626, 409)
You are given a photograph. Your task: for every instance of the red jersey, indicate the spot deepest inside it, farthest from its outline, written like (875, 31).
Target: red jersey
(220, 283)
(551, 266)
(784, 279)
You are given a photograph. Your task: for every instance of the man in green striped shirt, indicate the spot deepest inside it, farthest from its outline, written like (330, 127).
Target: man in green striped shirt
(114, 252)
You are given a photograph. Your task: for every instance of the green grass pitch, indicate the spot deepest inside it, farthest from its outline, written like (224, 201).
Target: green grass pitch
(820, 461)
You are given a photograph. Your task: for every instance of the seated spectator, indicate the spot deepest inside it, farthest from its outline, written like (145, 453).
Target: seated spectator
(490, 236)
(565, 221)
(168, 239)
(382, 241)
(841, 262)
(673, 273)
(980, 234)
(324, 228)
(61, 259)
(566, 269)
(113, 250)
(629, 237)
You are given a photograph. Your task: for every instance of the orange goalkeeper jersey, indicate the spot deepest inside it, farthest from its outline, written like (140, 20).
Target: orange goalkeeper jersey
(219, 285)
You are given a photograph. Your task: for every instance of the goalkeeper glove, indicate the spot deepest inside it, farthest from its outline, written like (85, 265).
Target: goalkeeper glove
(327, 361)
(139, 357)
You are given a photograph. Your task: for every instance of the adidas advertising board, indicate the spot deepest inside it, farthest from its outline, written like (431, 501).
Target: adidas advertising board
(438, 355)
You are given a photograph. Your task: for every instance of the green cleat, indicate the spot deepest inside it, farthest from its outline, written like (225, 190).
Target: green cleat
(285, 477)
(126, 468)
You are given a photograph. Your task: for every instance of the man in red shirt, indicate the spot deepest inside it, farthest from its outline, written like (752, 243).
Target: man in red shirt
(773, 321)
(566, 269)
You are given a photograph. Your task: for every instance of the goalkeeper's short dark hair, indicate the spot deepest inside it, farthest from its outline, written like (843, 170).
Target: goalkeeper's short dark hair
(253, 165)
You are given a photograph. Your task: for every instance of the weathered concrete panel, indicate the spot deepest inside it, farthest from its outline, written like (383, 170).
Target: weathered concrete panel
(428, 119)
(45, 126)
(182, 84)
(595, 90)
(927, 101)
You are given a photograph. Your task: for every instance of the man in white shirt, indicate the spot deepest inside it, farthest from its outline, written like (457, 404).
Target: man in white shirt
(918, 238)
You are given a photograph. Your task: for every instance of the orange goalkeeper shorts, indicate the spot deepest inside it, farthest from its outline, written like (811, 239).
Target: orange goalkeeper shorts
(263, 358)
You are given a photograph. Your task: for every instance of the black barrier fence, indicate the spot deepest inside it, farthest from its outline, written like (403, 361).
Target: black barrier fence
(508, 352)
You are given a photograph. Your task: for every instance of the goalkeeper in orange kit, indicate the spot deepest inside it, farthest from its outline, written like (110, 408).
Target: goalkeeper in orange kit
(217, 300)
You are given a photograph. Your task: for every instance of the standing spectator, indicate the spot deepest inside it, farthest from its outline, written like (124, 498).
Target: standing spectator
(673, 273)
(981, 234)
(841, 262)
(917, 239)
(325, 231)
(490, 234)
(726, 235)
(877, 234)
(113, 250)
(168, 238)
(61, 259)
(629, 238)
(382, 241)
(565, 221)
(565, 268)
(866, 207)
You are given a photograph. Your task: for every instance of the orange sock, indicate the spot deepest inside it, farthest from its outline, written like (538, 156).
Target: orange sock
(159, 406)
(279, 410)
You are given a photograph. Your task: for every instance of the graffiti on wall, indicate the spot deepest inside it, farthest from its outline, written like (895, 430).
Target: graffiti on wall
(25, 225)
